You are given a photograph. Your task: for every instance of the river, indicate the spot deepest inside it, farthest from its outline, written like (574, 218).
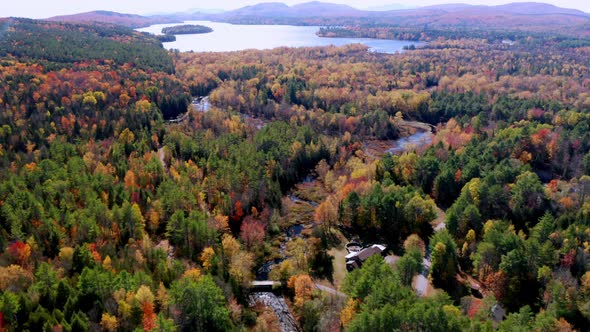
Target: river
(422, 137)
(235, 37)
(419, 139)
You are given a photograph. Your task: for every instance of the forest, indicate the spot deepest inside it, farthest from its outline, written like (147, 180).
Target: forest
(186, 29)
(126, 206)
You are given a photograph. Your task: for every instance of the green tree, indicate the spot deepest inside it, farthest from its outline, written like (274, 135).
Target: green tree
(201, 305)
(9, 307)
(409, 265)
(425, 172)
(420, 212)
(527, 200)
(444, 258)
(520, 321)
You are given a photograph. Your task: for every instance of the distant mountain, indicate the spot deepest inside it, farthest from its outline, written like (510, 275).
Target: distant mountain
(261, 9)
(520, 8)
(451, 7)
(129, 20)
(202, 11)
(325, 9)
(530, 16)
(308, 9)
(537, 8)
(393, 6)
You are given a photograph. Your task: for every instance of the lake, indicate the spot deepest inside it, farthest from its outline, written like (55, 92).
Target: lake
(232, 37)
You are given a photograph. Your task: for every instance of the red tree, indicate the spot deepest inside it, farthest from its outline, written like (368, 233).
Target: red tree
(252, 232)
(148, 318)
(20, 251)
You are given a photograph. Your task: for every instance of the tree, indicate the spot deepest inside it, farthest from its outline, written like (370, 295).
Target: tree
(586, 164)
(414, 242)
(79, 322)
(240, 268)
(527, 200)
(191, 234)
(200, 305)
(131, 220)
(409, 265)
(486, 259)
(425, 173)
(444, 258)
(14, 278)
(446, 187)
(20, 251)
(302, 287)
(310, 315)
(460, 219)
(388, 305)
(252, 232)
(145, 297)
(349, 312)
(359, 283)
(230, 246)
(326, 213)
(520, 321)
(584, 297)
(321, 264)
(9, 308)
(109, 323)
(419, 213)
(207, 257)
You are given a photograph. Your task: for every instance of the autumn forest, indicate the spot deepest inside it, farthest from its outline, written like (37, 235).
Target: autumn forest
(146, 189)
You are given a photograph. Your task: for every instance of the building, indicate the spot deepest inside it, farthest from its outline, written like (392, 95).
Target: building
(355, 259)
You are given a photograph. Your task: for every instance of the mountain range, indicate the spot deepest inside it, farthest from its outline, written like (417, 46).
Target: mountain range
(316, 8)
(523, 15)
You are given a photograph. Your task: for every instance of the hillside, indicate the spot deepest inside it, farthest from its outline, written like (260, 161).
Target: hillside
(66, 43)
(529, 16)
(128, 20)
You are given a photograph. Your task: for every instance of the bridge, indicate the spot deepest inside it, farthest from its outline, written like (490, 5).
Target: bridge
(264, 285)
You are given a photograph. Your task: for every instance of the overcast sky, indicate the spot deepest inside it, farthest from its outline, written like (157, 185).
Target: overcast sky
(47, 8)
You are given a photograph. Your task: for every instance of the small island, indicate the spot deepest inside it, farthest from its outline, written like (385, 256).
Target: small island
(166, 38)
(186, 30)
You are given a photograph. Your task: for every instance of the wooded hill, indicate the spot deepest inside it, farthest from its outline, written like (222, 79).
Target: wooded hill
(102, 16)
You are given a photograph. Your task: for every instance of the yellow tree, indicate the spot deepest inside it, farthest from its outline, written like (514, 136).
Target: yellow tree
(207, 258)
(302, 287)
(108, 322)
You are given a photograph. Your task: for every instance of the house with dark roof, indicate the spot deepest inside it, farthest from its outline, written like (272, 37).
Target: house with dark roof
(355, 259)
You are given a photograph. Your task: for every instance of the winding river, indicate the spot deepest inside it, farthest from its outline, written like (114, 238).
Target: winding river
(421, 138)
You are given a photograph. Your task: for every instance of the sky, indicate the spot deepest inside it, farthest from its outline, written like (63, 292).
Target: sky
(48, 8)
